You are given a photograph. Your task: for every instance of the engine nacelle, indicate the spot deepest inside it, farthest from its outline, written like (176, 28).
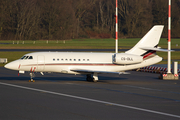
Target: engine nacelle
(124, 58)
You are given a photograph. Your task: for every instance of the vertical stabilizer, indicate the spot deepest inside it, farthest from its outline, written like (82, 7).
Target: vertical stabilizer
(151, 39)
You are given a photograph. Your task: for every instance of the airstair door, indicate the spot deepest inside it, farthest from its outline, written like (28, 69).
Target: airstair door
(40, 63)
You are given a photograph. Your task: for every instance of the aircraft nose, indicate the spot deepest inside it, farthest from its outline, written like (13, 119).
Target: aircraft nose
(12, 65)
(8, 66)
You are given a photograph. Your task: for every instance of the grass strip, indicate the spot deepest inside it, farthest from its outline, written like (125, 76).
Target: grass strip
(81, 44)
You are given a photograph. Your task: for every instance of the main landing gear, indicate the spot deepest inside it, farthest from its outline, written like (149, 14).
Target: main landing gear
(32, 75)
(91, 78)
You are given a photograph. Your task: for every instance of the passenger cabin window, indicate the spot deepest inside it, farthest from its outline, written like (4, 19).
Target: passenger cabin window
(72, 59)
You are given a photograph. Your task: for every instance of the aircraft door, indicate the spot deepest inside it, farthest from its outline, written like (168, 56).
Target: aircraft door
(40, 63)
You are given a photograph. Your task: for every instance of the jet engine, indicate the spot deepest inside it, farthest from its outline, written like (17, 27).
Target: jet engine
(124, 58)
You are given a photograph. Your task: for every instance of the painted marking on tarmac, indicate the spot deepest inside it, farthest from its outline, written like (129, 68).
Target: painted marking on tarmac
(92, 100)
(133, 93)
(151, 89)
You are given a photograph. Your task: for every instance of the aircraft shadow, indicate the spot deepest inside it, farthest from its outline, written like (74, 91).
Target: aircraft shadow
(60, 78)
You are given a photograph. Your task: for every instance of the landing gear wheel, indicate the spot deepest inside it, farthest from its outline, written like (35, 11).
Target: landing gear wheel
(31, 80)
(89, 78)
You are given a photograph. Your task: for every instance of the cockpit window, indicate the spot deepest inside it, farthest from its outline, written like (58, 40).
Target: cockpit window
(22, 57)
(30, 57)
(26, 57)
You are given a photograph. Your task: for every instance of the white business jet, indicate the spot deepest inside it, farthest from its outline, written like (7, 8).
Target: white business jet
(141, 55)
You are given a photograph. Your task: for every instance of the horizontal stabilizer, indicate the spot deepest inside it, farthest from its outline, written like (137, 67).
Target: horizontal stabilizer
(155, 49)
(95, 71)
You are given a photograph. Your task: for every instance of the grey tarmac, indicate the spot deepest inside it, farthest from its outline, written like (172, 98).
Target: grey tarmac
(54, 96)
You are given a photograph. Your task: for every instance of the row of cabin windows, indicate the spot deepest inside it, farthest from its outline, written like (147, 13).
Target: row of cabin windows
(70, 59)
(26, 57)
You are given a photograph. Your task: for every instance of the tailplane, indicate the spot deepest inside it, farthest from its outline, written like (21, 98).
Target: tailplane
(148, 45)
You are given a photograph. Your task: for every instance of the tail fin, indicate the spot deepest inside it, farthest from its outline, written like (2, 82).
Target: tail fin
(150, 40)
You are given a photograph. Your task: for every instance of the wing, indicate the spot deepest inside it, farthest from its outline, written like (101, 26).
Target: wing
(95, 71)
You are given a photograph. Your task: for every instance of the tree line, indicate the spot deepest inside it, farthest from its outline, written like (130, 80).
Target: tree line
(68, 19)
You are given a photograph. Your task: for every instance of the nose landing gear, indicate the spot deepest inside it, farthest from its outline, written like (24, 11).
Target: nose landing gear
(32, 75)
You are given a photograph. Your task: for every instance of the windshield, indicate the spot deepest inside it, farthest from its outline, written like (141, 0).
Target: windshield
(26, 57)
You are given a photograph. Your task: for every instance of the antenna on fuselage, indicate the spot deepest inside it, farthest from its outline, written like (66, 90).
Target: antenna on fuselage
(116, 44)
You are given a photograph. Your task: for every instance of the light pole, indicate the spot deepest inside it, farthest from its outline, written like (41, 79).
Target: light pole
(169, 38)
(116, 27)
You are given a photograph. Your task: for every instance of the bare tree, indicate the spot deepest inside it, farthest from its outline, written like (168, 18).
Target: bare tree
(27, 19)
(81, 7)
(66, 19)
